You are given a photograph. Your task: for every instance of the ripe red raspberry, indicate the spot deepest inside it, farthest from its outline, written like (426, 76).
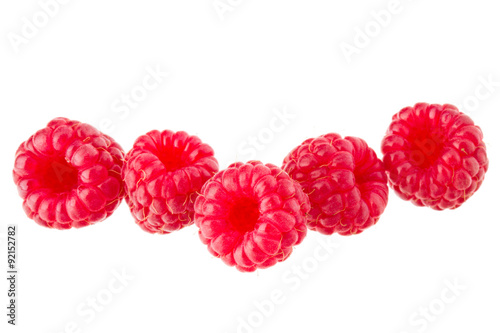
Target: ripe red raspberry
(434, 155)
(345, 180)
(250, 215)
(69, 175)
(163, 173)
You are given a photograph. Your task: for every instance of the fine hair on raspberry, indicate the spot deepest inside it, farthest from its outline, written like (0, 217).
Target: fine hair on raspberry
(163, 173)
(251, 215)
(345, 181)
(69, 175)
(434, 155)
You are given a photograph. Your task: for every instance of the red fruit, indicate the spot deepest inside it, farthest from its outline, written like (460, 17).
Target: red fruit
(163, 173)
(345, 181)
(69, 175)
(251, 215)
(434, 155)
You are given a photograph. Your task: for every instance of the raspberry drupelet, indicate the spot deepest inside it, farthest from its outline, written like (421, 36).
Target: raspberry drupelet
(251, 215)
(163, 173)
(69, 175)
(434, 155)
(345, 181)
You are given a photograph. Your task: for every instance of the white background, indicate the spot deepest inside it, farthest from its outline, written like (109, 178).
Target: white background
(228, 74)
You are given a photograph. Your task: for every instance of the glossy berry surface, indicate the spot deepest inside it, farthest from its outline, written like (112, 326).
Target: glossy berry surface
(345, 182)
(434, 155)
(251, 215)
(69, 175)
(163, 173)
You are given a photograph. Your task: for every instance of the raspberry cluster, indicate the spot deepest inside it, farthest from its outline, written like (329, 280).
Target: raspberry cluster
(434, 155)
(345, 180)
(69, 175)
(163, 173)
(250, 215)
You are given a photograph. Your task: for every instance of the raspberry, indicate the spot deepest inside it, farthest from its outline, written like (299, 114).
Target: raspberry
(250, 215)
(163, 173)
(345, 180)
(434, 155)
(69, 175)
